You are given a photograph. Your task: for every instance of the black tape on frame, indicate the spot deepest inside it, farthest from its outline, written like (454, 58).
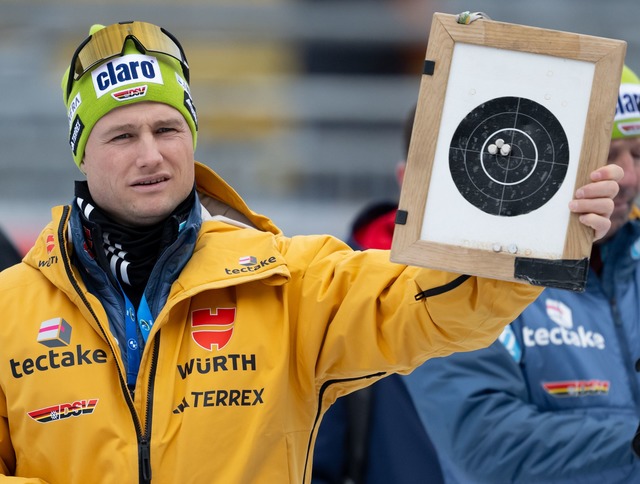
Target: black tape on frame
(564, 274)
(429, 67)
(401, 217)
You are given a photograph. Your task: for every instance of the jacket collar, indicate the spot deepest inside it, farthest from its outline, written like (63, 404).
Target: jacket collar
(223, 213)
(223, 202)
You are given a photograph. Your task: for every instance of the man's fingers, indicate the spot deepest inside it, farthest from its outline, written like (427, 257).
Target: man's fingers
(598, 206)
(606, 189)
(608, 172)
(598, 223)
(594, 201)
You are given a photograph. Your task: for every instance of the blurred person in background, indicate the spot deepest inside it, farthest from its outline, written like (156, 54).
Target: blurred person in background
(374, 435)
(557, 398)
(160, 330)
(9, 254)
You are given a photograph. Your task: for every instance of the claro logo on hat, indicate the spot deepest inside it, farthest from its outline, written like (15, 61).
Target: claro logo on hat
(125, 70)
(628, 101)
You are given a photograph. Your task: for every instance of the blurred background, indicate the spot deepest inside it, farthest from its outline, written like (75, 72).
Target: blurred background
(301, 103)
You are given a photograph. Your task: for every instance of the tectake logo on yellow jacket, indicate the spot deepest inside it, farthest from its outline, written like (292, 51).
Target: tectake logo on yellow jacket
(54, 332)
(250, 263)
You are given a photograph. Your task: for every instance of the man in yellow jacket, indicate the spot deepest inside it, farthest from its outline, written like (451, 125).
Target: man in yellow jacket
(161, 331)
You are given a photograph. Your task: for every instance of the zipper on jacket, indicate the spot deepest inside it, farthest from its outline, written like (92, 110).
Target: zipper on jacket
(435, 291)
(144, 443)
(144, 454)
(145, 461)
(613, 302)
(323, 389)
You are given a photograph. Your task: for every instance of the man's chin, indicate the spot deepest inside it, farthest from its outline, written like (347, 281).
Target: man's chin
(145, 219)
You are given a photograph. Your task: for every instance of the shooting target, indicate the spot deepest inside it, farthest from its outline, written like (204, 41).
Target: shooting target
(509, 156)
(500, 140)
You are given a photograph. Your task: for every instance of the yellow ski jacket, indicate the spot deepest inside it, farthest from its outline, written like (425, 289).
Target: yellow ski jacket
(259, 335)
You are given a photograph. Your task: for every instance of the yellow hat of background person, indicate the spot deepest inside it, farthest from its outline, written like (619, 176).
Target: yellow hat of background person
(132, 77)
(626, 123)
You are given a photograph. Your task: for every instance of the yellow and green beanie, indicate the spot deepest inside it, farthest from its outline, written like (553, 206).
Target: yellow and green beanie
(626, 123)
(127, 79)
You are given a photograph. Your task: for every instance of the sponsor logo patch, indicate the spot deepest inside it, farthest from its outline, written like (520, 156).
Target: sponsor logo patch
(188, 103)
(509, 341)
(629, 101)
(251, 264)
(63, 411)
(54, 360)
(130, 93)
(125, 70)
(73, 107)
(564, 333)
(218, 363)
(188, 100)
(51, 243)
(559, 313)
(247, 260)
(576, 388)
(212, 328)
(54, 333)
(183, 83)
(629, 129)
(76, 132)
(236, 397)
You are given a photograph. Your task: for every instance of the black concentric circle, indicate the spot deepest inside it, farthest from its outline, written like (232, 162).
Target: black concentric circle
(522, 180)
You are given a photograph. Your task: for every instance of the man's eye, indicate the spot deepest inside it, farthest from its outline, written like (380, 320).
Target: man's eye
(122, 136)
(165, 130)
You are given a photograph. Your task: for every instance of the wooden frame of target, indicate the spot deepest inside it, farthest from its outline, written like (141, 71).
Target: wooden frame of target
(510, 121)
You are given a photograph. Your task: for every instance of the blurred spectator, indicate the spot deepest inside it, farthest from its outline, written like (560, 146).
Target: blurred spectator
(557, 398)
(375, 435)
(9, 254)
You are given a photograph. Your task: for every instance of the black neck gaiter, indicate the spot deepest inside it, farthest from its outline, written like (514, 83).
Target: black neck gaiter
(128, 254)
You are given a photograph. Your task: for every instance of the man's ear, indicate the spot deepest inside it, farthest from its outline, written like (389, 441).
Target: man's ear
(82, 168)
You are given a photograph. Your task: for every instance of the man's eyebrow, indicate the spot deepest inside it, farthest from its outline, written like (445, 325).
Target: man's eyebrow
(121, 127)
(167, 122)
(117, 130)
(171, 122)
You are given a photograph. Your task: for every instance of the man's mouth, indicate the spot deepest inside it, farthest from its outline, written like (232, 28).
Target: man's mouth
(151, 182)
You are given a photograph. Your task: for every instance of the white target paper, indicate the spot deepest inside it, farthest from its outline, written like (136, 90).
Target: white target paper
(514, 201)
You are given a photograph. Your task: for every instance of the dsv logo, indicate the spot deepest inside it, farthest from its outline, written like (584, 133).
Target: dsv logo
(64, 410)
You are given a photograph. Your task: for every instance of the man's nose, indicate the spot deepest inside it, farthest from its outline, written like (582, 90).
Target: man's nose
(148, 151)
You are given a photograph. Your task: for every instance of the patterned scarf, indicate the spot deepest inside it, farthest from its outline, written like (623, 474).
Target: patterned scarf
(128, 254)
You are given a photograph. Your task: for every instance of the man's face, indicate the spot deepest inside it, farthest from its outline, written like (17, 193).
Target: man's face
(626, 154)
(139, 162)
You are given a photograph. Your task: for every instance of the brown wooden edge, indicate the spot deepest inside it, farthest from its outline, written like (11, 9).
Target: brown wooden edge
(608, 57)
